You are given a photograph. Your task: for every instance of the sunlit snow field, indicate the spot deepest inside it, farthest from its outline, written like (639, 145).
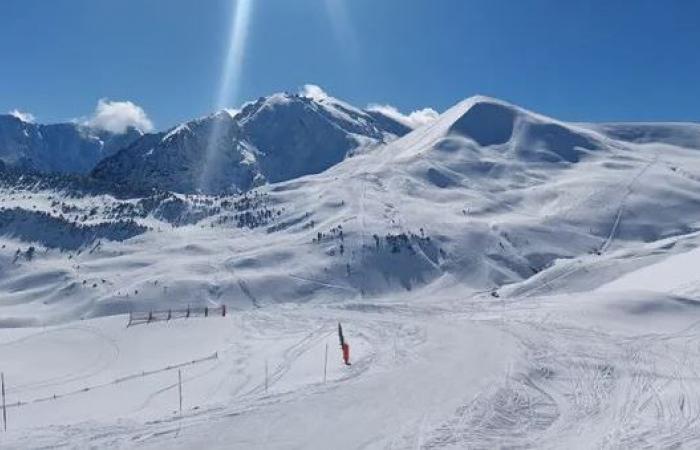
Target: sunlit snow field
(503, 279)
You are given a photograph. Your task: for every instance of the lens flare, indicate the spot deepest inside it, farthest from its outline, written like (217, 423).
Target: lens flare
(230, 83)
(342, 28)
(231, 76)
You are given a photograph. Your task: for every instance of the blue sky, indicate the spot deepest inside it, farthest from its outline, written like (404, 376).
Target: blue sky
(591, 60)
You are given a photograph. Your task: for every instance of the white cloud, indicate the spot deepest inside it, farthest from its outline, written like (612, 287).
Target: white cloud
(117, 117)
(313, 91)
(413, 120)
(23, 116)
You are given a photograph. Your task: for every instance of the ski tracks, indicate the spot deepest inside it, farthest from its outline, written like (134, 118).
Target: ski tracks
(629, 189)
(575, 384)
(101, 362)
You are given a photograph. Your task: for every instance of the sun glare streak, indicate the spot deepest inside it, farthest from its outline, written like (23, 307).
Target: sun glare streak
(230, 82)
(342, 27)
(231, 76)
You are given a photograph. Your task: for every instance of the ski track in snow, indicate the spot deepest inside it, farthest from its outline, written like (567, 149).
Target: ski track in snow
(101, 362)
(324, 283)
(611, 389)
(629, 189)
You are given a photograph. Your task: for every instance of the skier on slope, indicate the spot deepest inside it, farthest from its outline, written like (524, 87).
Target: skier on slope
(344, 345)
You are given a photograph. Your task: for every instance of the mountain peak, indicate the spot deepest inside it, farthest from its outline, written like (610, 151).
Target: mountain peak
(480, 98)
(274, 138)
(490, 124)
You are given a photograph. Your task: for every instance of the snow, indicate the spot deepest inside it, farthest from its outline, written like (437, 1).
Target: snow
(25, 117)
(178, 129)
(504, 280)
(676, 274)
(396, 377)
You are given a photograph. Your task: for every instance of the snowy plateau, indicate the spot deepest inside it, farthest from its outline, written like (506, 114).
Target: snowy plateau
(503, 279)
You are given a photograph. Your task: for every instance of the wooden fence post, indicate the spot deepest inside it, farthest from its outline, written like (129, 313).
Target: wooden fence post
(325, 364)
(4, 408)
(179, 388)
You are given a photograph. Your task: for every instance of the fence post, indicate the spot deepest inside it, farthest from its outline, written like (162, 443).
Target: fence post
(188, 312)
(223, 310)
(206, 311)
(325, 364)
(150, 316)
(4, 408)
(179, 388)
(170, 313)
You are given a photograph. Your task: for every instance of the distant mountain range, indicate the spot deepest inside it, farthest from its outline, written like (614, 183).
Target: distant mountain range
(68, 148)
(282, 137)
(275, 138)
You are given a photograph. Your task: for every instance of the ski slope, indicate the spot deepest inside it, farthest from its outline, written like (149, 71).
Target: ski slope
(613, 370)
(392, 360)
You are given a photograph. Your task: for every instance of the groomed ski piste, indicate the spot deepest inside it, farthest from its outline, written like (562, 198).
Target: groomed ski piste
(504, 280)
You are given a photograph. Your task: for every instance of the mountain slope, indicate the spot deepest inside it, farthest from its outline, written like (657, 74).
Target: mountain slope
(61, 148)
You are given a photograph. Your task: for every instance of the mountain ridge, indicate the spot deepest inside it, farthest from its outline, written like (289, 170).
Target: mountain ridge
(62, 147)
(275, 138)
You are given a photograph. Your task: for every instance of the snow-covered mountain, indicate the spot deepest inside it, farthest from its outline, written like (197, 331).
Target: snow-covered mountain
(488, 195)
(275, 138)
(58, 148)
(505, 279)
